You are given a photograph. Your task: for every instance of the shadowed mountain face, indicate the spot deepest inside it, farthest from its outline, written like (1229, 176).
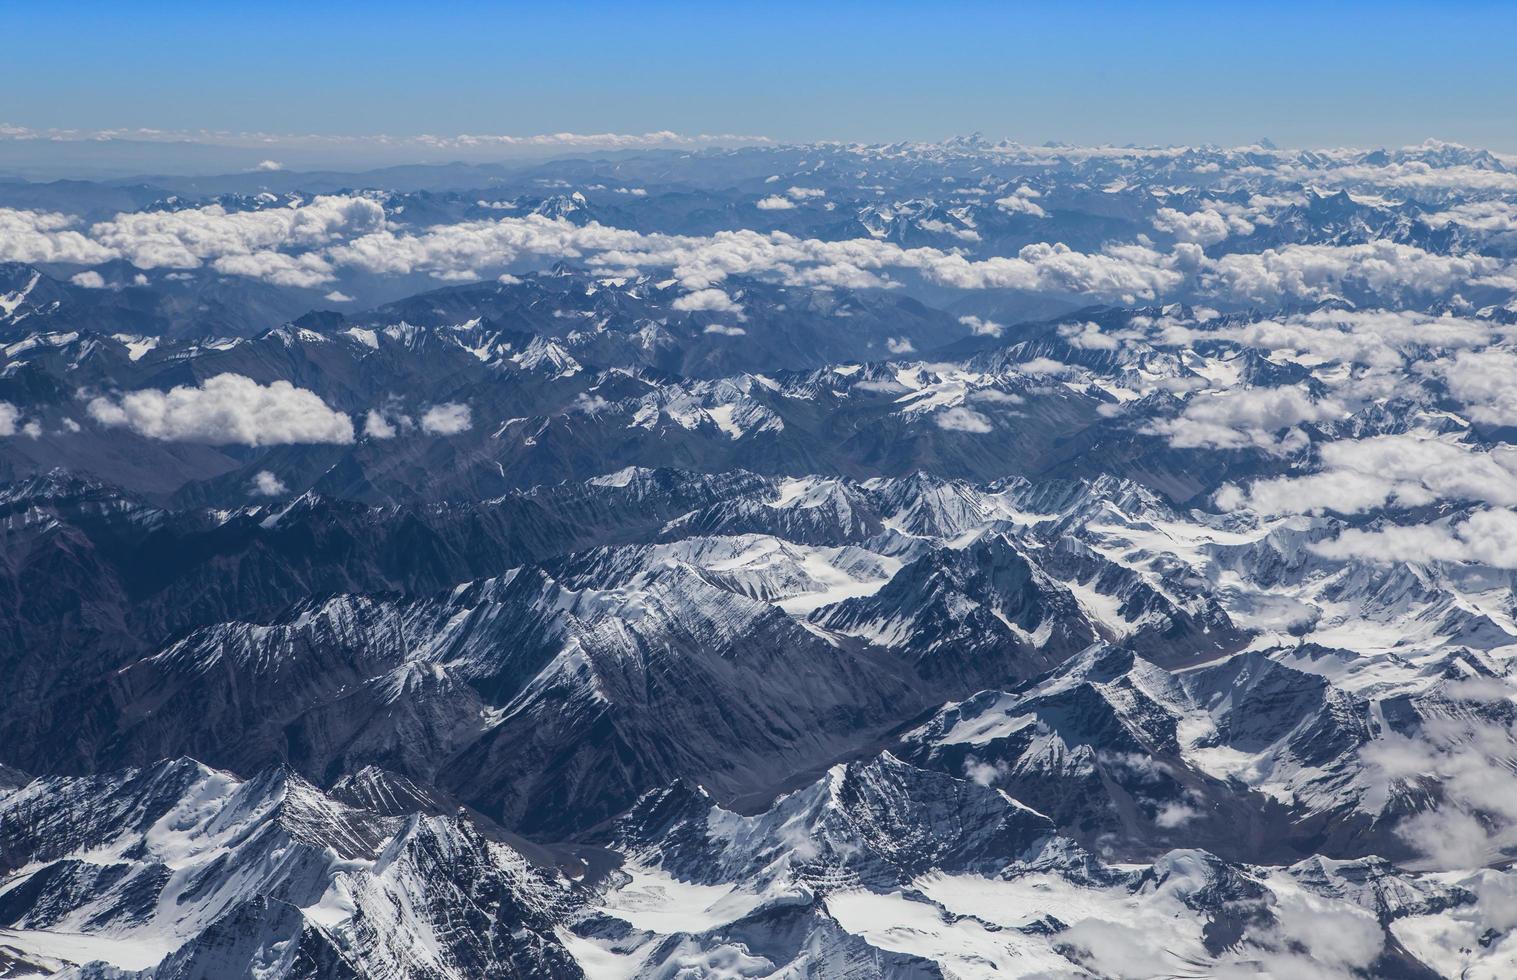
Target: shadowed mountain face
(951, 560)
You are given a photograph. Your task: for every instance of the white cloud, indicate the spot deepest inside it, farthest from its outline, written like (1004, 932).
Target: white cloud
(1463, 764)
(1380, 338)
(228, 408)
(1338, 940)
(802, 193)
(1484, 382)
(395, 148)
(1044, 367)
(774, 202)
(899, 345)
(1414, 175)
(303, 247)
(979, 327)
(447, 419)
(1206, 227)
(995, 396)
(1486, 537)
(185, 239)
(305, 271)
(266, 484)
(9, 416)
(376, 426)
(337, 297)
(962, 419)
(88, 280)
(983, 773)
(465, 249)
(1498, 218)
(589, 404)
(42, 236)
(1021, 201)
(1172, 815)
(725, 331)
(269, 165)
(1365, 474)
(1088, 336)
(1317, 272)
(707, 299)
(1246, 417)
(948, 228)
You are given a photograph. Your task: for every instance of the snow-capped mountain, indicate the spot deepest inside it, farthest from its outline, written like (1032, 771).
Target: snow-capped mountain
(966, 559)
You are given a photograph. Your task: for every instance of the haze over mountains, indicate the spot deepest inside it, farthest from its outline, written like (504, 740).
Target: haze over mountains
(960, 559)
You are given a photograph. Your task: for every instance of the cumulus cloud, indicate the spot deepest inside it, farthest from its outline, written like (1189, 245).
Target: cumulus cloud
(983, 773)
(266, 484)
(1483, 382)
(724, 330)
(1378, 338)
(1485, 537)
(447, 419)
(995, 396)
(1022, 201)
(1044, 367)
(10, 417)
(1413, 175)
(228, 408)
(1470, 761)
(1407, 470)
(802, 193)
(186, 239)
(774, 202)
(1334, 940)
(88, 280)
(1172, 815)
(980, 327)
(589, 404)
(1120, 272)
(1206, 227)
(1124, 272)
(1318, 272)
(1088, 336)
(305, 271)
(308, 245)
(44, 236)
(961, 419)
(465, 249)
(269, 165)
(376, 426)
(707, 300)
(899, 345)
(304, 246)
(1497, 218)
(948, 228)
(1246, 417)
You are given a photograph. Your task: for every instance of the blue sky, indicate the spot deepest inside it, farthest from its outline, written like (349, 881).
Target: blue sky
(1302, 74)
